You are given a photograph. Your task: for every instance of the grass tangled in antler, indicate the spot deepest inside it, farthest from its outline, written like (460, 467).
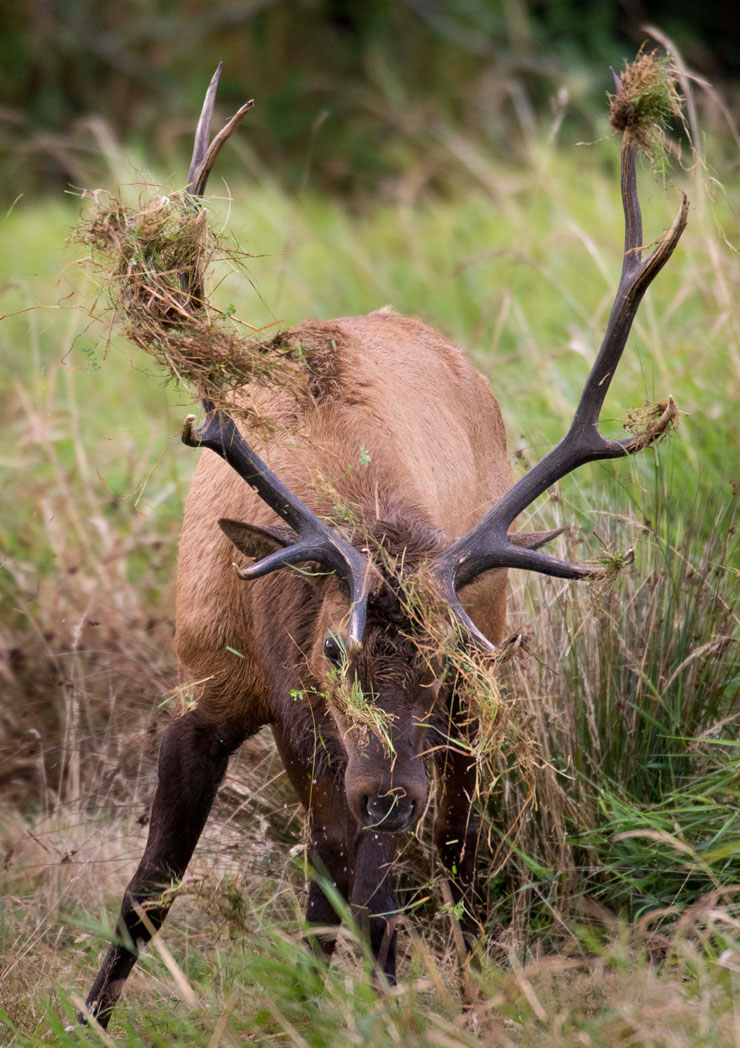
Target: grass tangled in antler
(151, 262)
(652, 423)
(646, 99)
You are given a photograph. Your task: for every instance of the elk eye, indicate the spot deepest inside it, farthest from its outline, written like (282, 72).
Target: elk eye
(333, 650)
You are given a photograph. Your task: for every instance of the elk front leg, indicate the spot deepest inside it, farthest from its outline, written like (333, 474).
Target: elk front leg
(456, 834)
(192, 761)
(332, 831)
(374, 904)
(358, 864)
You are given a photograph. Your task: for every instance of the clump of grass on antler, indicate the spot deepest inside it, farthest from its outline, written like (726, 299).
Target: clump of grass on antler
(646, 99)
(652, 423)
(151, 263)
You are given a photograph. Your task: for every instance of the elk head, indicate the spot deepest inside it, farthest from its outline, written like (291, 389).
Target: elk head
(374, 648)
(369, 658)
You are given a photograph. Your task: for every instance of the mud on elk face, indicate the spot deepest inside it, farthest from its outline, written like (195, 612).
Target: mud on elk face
(331, 657)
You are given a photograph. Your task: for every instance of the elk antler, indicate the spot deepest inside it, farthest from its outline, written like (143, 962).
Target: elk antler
(487, 545)
(316, 540)
(204, 155)
(202, 160)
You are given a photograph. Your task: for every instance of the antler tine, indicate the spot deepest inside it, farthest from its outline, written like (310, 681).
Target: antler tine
(486, 545)
(201, 162)
(204, 155)
(316, 540)
(203, 128)
(201, 173)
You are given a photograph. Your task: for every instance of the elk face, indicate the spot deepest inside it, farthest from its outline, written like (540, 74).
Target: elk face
(380, 697)
(380, 693)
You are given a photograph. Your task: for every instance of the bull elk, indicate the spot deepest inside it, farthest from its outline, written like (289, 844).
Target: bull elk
(437, 461)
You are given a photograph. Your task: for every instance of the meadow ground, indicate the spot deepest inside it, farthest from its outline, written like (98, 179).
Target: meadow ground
(612, 870)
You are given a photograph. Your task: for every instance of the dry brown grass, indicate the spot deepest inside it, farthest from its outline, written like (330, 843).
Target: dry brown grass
(150, 265)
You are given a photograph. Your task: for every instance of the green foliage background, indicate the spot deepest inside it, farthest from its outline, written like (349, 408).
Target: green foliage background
(364, 88)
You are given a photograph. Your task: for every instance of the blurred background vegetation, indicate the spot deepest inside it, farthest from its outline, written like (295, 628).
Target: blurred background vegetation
(365, 89)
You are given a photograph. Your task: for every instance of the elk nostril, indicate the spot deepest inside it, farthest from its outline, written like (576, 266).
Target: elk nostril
(387, 812)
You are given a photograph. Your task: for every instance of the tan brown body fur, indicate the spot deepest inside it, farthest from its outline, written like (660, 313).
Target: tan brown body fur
(404, 396)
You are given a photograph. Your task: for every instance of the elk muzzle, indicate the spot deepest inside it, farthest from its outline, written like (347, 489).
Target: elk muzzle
(385, 795)
(390, 812)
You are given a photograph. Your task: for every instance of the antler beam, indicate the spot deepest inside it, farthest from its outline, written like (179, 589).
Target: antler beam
(486, 545)
(316, 540)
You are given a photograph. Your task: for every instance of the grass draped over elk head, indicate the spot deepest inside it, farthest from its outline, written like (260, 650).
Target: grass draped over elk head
(376, 651)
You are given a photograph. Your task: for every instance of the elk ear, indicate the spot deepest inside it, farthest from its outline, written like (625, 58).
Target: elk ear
(256, 542)
(253, 540)
(534, 539)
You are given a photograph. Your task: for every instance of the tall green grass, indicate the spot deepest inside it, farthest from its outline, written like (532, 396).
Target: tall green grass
(629, 693)
(632, 698)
